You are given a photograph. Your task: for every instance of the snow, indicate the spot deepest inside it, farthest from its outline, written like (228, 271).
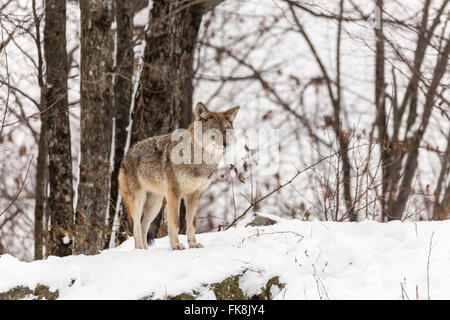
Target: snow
(316, 260)
(66, 240)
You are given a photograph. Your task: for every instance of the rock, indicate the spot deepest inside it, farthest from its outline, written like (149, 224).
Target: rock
(39, 293)
(228, 289)
(183, 296)
(259, 220)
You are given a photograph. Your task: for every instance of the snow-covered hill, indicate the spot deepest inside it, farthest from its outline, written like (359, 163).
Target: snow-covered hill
(290, 259)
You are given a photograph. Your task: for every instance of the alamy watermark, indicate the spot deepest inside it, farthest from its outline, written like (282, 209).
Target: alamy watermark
(258, 148)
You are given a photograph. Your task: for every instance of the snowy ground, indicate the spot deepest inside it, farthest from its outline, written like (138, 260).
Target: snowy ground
(365, 260)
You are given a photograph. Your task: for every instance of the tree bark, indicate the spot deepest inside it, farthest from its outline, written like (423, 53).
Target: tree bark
(95, 125)
(381, 121)
(122, 101)
(2, 249)
(57, 118)
(441, 208)
(40, 193)
(338, 128)
(165, 87)
(40, 214)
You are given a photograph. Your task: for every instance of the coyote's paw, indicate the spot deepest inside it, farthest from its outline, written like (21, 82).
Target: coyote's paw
(195, 245)
(177, 246)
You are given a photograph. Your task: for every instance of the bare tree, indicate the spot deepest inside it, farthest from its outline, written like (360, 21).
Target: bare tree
(42, 159)
(404, 152)
(122, 99)
(56, 116)
(336, 101)
(380, 104)
(96, 112)
(441, 206)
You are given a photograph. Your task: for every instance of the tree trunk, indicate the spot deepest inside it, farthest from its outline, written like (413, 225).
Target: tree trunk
(381, 120)
(166, 76)
(40, 193)
(95, 125)
(338, 128)
(441, 208)
(57, 118)
(40, 214)
(122, 101)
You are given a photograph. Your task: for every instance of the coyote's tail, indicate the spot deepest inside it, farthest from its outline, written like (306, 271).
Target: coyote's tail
(127, 200)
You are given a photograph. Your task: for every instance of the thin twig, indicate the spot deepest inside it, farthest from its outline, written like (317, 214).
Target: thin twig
(20, 189)
(428, 267)
(278, 188)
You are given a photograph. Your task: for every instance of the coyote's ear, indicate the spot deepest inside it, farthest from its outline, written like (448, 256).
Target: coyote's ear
(201, 112)
(231, 114)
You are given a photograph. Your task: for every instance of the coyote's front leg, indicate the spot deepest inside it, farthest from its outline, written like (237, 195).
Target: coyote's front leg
(192, 202)
(173, 208)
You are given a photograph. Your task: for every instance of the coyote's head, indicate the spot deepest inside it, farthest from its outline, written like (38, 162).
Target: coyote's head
(215, 124)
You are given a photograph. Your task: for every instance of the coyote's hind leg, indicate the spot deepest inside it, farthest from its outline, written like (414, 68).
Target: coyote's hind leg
(138, 206)
(152, 207)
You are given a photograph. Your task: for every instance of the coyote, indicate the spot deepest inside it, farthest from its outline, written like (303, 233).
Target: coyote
(148, 173)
